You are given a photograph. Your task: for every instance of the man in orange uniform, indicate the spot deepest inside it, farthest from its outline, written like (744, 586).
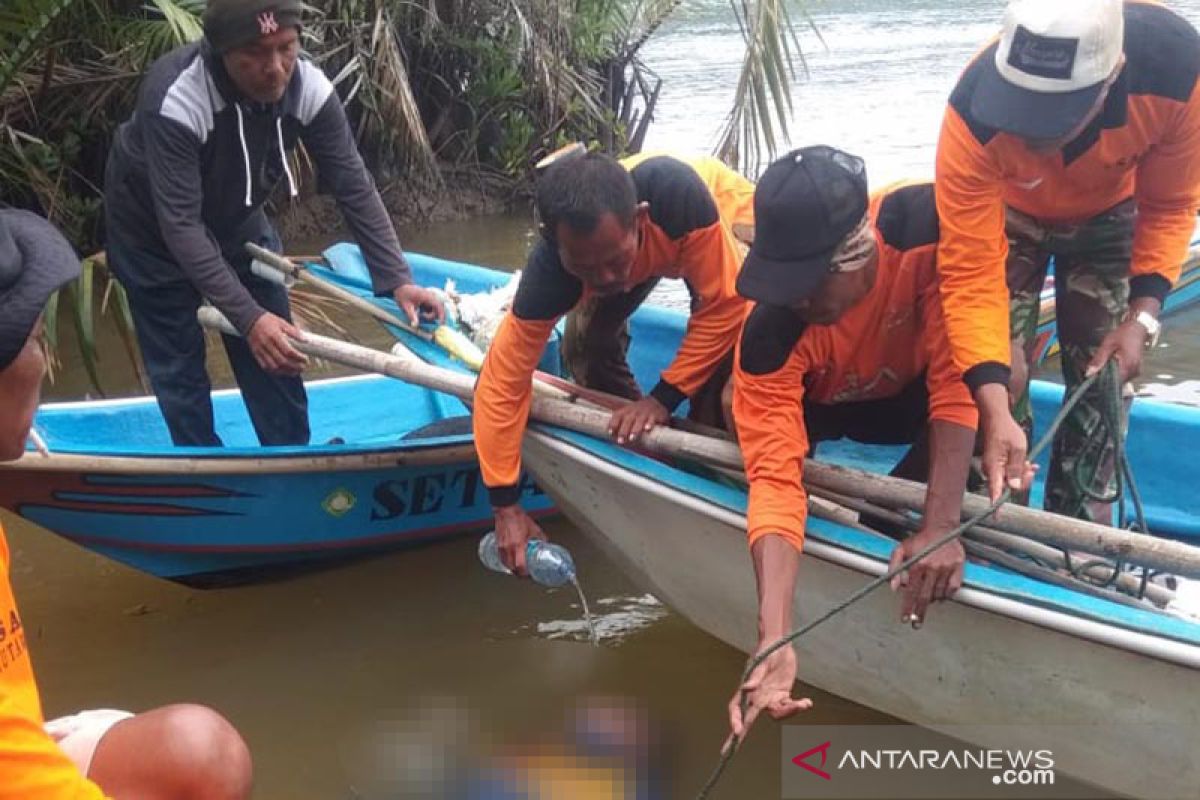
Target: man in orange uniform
(846, 339)
(180, 752)
(610, 231)
(1076, 135)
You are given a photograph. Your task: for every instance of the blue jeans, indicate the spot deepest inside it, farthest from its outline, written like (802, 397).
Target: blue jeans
(173, 350)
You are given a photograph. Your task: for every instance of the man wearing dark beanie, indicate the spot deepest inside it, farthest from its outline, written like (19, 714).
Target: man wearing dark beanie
(185, 186)
(230, 24)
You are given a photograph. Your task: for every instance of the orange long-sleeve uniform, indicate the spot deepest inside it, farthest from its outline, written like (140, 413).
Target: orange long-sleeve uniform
(693, 206)
(32, 767)
(1144, 144)
(879, 346)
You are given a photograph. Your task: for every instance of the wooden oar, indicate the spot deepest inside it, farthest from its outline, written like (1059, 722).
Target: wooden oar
(1161, 554)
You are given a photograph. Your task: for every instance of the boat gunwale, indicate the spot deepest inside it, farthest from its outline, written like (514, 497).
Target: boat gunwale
(1160, 647)
(150, 399)
(417, 453)
(168, 460)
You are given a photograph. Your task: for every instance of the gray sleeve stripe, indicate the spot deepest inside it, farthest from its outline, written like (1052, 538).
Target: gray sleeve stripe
(315, 89)
(189, 102)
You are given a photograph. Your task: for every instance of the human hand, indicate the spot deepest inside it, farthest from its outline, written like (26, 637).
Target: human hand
(1004, 443)
(1126, 344)
(514, 529)
(934, 578)
(769, 688)
(419, 302)
(631, 421)
(270, 341)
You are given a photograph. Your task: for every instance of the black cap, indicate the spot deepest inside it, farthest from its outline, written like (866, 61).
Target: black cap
(229, 24)
(804, 206)
(35, 260)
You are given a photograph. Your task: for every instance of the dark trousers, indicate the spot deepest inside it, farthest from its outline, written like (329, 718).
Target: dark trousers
(595, 349)
(173, 350)
(901, 419)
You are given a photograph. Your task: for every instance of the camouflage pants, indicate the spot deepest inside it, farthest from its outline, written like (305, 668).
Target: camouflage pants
(1091, 282)
(595, 345)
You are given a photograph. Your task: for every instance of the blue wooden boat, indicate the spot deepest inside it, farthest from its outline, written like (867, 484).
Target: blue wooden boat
(406, 472)
(1109, 688)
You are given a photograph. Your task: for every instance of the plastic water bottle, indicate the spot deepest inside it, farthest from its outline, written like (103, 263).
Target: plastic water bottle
(548, 564)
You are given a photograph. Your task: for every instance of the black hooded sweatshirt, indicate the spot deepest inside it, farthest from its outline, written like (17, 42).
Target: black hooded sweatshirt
(189, 173)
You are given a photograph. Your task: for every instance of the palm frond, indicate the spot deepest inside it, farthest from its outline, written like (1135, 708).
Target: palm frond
(167, 24)
(367, 63)
(183, 17)
(762, 106)
(399, 119)
(81, 301)
(23, 23)
(50, 335)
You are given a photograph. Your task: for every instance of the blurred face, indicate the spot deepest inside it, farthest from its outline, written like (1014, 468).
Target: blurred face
(262, 69)
(602, 258)
(840, 291)
(20, 390)
(1048, 146)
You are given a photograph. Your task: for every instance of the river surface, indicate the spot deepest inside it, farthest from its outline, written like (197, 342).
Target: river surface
(376, 666)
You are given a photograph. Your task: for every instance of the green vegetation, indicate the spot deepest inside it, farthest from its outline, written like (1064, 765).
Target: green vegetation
(435, 89)
(432, 86)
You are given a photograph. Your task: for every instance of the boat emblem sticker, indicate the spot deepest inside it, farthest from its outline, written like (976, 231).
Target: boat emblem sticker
(339, 502)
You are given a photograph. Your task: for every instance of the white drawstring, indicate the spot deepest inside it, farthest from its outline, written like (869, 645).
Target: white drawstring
(287, 170)
(245, 152)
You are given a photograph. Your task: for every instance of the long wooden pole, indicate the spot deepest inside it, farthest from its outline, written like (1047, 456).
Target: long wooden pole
(1072, 534)
(299, 273)
(1160, 554)
(1129, 583)
(545, 384)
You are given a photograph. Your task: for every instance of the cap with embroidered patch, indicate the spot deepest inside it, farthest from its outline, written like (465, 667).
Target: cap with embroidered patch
(1052, 61)
(229, 24)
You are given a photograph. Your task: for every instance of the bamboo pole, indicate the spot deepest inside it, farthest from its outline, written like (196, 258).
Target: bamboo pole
(1023, 567)
(299, 273)
(1161, 554)
(444, 336)
(1052, 529)
(1128, 583)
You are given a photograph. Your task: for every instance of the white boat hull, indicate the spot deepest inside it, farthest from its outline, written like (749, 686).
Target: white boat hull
(1126, 704)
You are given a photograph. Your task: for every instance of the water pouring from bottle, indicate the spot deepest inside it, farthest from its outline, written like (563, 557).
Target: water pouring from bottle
(549, 565)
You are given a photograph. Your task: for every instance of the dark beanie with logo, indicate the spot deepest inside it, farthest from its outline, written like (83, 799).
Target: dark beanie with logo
(232, 23)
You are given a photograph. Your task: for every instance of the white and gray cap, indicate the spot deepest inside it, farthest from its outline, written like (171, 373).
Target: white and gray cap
(1051, 63)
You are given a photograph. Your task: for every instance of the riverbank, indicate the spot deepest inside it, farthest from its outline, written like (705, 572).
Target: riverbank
(459, 196)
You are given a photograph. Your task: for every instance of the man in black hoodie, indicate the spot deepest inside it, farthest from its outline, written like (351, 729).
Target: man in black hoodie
(186, 181)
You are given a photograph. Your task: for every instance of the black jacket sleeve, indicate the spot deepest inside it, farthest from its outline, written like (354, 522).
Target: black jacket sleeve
(331, 144)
